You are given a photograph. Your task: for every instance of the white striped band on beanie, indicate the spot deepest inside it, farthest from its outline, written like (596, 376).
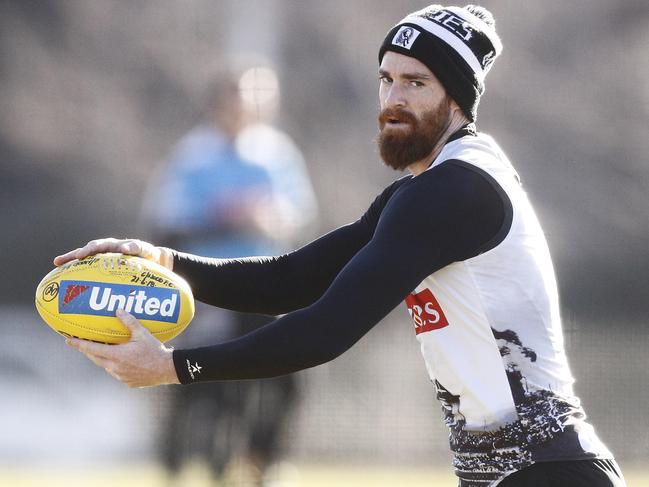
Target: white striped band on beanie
(455, 43)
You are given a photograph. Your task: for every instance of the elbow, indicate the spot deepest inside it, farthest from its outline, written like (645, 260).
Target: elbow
(321, 355)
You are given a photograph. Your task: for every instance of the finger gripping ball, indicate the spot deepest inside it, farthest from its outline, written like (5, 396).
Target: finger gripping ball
(80, 298)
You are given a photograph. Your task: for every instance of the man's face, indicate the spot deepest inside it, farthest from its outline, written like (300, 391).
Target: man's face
(415, 110)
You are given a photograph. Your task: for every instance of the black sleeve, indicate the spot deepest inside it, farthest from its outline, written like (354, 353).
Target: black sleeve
(446, 214)
(277, 285)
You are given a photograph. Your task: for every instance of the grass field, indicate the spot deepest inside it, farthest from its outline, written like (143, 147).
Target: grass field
(300, 476)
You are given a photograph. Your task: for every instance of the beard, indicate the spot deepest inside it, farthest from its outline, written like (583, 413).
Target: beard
(400, 147)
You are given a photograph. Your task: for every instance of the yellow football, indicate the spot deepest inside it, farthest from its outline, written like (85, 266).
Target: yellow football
(79, 298)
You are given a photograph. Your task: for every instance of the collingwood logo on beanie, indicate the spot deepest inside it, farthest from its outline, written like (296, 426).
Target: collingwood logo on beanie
(457, 44)
(405, 36)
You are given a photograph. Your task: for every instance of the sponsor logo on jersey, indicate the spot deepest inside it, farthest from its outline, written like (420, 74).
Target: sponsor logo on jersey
(103, 299)
(425, 311)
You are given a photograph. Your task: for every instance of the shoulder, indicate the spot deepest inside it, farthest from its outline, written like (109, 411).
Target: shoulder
(454, 191)
(451, 207)
(452, 179)
(453, 182)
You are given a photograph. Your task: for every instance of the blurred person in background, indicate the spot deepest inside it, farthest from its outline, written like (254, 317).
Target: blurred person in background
(457, 238)
(234, 186)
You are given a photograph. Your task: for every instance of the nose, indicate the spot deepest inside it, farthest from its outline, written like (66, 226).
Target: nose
(394, 96)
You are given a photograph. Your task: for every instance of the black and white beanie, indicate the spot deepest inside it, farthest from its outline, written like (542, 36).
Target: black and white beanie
(458, 44)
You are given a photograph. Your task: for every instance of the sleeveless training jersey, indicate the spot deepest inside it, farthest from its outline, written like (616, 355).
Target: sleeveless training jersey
(490, 334)
(461, 241)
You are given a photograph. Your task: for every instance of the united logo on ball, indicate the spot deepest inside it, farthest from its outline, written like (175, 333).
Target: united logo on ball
(80, 298)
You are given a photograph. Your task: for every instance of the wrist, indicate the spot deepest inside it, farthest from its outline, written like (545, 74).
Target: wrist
(171, 377)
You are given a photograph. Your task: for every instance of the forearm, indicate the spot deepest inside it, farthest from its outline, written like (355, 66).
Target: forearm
(280, 348)
(307, 337)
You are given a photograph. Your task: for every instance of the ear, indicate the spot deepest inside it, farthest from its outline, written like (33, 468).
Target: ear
(456, 111)
(454, 107)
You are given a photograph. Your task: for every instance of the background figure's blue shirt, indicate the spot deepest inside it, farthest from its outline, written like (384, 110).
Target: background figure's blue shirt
(205, 184)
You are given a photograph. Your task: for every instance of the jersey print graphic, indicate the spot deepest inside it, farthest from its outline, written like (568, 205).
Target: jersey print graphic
(425, 311)
(544, 419)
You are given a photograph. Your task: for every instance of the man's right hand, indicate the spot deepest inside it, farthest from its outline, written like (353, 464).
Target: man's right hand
(160, 255)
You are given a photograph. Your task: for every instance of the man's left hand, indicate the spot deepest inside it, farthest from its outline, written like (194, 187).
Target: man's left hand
(143, 361)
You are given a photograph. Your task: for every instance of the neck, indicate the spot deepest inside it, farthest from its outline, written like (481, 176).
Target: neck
(456, 122)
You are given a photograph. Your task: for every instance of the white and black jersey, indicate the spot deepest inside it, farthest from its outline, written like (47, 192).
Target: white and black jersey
(462, 244)
(490, 333)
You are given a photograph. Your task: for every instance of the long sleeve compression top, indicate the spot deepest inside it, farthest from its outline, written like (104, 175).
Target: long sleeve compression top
(335, 289)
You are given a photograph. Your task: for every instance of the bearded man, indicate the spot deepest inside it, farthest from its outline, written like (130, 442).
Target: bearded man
(457, 237)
